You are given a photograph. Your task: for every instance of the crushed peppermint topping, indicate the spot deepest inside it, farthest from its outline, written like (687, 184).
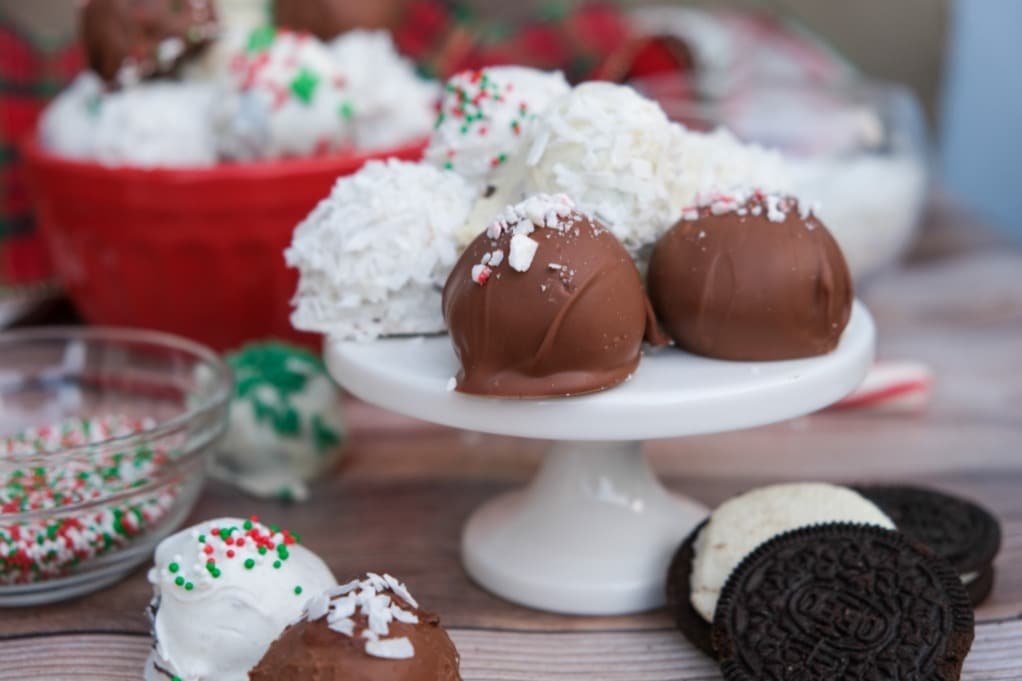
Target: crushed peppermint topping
(776, 207)
(521, 220)
(523, 250)
(380, 599)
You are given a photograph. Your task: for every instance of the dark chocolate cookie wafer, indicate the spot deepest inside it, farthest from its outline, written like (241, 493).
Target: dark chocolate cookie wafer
(961, 532)
(679, 595)
(843, 601)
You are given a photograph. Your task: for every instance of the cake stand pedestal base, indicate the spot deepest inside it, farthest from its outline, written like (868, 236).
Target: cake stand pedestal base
(592, 534)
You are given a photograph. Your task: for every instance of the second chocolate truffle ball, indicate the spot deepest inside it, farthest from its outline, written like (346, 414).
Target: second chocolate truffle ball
(750, 277)
(545, 302)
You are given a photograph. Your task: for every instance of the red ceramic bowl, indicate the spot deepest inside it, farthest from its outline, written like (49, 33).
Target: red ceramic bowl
(196, 252)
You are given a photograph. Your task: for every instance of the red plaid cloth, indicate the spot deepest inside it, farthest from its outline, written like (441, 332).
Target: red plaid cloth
(575, 37)
(30, 75)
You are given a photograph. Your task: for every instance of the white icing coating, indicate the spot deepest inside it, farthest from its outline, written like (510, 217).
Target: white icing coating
(392, 105)
(612, 151)
(373, 255)
(485, 115)
(743, 523)
(221, 628)
(283, 96)
(152, 124)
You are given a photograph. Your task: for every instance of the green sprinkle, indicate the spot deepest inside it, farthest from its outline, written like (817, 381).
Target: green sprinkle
(189, 586)
(276, 565)
(202, 539)
(173, 567)
(298, 591)
(304, 85)
(262, 550)
(261, 38)
(347, 110)
(180, 581)
(249, 563)
(248, 525)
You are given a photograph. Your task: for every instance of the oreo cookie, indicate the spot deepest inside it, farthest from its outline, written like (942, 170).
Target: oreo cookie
(961, 532)
(679, 595)
(843, 601)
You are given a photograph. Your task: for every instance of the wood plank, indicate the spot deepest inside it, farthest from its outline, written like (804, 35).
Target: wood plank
(487, 655)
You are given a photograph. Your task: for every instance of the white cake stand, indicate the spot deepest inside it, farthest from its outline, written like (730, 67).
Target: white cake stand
(594, 531)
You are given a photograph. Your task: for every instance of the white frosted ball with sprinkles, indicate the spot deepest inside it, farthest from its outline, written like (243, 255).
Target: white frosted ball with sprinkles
(391, 104)
(283, 96)
(374, 254)
(484, 116)
(223, 590)
(613, 152)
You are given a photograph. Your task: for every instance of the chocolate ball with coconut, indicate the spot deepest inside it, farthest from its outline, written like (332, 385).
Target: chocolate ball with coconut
(545, 302)
(367, 630)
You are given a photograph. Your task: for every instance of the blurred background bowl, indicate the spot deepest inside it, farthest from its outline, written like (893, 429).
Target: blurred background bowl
(859, 148)
(196, 252)
(81, 506)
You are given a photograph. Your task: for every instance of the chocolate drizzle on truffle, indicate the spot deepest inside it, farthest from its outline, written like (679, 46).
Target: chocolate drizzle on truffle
(546, 302)
(750, 277)
(126, 40)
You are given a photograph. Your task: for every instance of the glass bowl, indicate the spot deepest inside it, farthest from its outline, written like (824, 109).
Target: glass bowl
(104, 437)
(857, 148)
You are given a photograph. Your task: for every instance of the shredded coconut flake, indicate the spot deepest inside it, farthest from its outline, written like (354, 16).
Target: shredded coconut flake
(391, 649)
(378, 598)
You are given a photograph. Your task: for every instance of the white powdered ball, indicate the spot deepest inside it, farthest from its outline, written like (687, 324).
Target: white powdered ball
(149, 125)
(374, 254)
(283, 96)
(612, 151)
(486, 114)
(68, 125)
(157, 124)
(718, 160)
(391, 104)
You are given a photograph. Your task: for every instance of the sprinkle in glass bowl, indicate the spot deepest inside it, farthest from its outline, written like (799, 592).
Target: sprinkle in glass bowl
(104, 439)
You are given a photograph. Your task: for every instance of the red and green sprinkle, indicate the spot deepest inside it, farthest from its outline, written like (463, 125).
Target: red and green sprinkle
(51, 546)
(251, 544)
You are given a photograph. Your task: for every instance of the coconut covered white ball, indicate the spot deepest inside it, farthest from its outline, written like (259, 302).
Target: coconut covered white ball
(391, 104)
(613, 151)
(375, 253)
(718, 161)
(486, 114)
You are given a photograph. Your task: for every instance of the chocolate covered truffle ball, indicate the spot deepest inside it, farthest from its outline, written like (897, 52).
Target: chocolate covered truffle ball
(545, 302)
(126, 40)
(327, 19)
(366, 630)
(750, 276)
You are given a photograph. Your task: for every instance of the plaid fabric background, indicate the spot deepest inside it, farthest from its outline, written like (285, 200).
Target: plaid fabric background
(577, 37)
(31, 73)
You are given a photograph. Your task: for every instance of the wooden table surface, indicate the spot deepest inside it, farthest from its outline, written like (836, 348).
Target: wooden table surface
(399, 500)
